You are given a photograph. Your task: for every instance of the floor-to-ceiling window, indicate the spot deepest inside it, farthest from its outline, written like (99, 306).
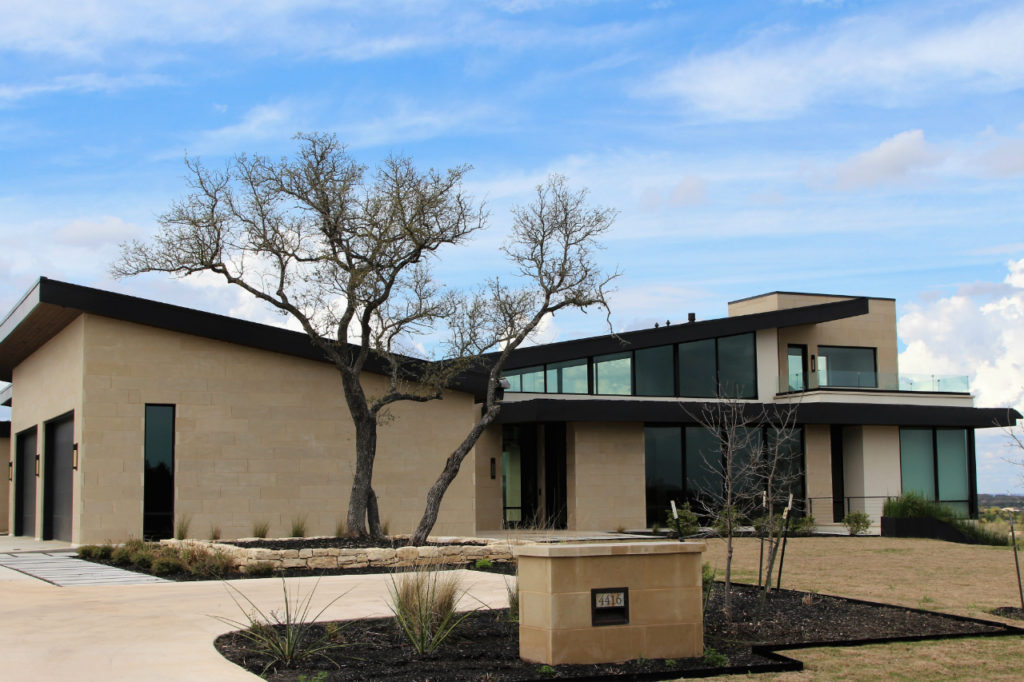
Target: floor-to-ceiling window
(935, 463)
(158, 496)
(845, 366)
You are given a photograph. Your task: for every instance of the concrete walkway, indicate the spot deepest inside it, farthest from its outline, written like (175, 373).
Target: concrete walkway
(164, 631)
(64, 569)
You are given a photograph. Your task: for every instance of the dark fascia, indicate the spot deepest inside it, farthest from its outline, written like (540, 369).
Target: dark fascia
(686, 331)
(188, 321)
(687, 412)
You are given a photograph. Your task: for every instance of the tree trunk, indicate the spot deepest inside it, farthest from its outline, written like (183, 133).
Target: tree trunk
(359, 498)
(373, 514)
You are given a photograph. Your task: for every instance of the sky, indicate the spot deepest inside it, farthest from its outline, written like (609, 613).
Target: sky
(863, 148)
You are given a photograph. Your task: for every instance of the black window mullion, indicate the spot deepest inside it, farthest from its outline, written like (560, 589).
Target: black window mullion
(935, 462)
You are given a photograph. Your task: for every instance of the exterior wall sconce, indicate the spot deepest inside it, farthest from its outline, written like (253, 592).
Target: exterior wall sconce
(10, 471)
(74, 456)
(37, 465)
(494, 470)
(814, 363)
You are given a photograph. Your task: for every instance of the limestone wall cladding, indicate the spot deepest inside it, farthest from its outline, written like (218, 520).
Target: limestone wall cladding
(818, 463)
(489, 512)
(5, 447)
(260, 437)
(605, 476)
(48, 384)
(458, 553)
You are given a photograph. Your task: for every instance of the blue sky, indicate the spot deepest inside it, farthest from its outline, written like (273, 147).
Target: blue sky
(870, 148)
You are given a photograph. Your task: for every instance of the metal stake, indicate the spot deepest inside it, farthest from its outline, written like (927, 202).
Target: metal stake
(782, 556)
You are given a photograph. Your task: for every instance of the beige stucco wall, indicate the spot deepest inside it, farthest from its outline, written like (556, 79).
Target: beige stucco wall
(818, 472)
(5, 488)
(779, 301)
(260, 436)
(871, 458)
(47, 385)
(489, 512)
(605, 475)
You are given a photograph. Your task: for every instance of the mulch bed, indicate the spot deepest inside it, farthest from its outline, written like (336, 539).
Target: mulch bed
(485, 647)
(1015, 612)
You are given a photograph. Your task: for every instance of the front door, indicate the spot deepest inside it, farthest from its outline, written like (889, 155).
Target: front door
(25, 484)
(57, 495)
(797, 367)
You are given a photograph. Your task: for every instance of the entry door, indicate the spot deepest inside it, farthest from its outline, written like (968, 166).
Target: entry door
(796, 361)
(25, 484)
(57, 495)
(555, 497)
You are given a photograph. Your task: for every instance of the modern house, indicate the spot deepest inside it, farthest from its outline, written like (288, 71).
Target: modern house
(128, 414)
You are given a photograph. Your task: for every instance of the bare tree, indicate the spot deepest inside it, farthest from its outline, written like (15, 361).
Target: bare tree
(753, 469)
(552, 249)
(344, 255)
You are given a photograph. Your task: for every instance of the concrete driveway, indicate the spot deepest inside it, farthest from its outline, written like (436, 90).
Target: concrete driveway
(163, 631)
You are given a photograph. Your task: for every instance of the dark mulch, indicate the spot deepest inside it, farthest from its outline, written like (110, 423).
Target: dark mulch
(1009, 612)
(393, 542)
(485, 647)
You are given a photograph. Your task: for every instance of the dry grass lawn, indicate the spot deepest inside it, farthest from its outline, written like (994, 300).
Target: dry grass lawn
(928, 574)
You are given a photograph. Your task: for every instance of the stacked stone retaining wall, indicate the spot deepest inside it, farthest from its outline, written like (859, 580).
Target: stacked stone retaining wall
(456, 552)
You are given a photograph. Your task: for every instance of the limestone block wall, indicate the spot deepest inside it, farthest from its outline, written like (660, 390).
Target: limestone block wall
(605, 476)
(818, 470)
(260, 437)
(489, 514)
(48, 384)
(663, 581)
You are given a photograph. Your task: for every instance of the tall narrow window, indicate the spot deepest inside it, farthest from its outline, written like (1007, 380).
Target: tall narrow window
(697, 375)
(654, 373)
(935, 463)
(663, 449)
(737, 367)
(158, 496)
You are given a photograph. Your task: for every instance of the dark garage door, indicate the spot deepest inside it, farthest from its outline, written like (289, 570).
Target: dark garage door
(60, 438)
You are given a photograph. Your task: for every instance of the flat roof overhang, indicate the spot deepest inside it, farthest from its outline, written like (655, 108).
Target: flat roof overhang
(50, 306)
(686, 331)
(686, 412)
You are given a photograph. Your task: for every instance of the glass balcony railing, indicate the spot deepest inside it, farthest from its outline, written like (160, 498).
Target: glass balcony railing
(920, 383)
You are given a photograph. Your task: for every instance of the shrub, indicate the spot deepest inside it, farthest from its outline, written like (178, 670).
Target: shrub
(424, 602)
(802, 525)
(913, 505)
(214, 533)
(181, 527)
(167, 564)
(856, 522)
(285, 637)
(299, 526)
(483, 563)
(707, 575)
(142, 559)
(260, 569)
(104, 551)
(260, 529)
(204, 563)
(87, 552)
(688, 524)
(512, 590)
(715, 658)
(122, 556)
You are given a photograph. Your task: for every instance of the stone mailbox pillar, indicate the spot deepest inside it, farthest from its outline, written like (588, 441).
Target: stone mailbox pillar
(610, 602)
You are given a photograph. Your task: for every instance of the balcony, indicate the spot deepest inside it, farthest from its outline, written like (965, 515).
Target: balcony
(874, 381)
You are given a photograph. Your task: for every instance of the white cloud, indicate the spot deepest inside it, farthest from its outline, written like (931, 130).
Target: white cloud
(884, 59)
(82, 83)
(96, 231)
(969, 335)
(999, 155)
(894, 159)
(410, 121)
(276, 121)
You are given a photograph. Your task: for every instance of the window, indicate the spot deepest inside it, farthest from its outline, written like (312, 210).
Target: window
(796, 361)
(724, 366)
(568, 377)
(654, 371)
(158, 492)
(697, 375)
(664, 470)
(936, 464)
(703, 462)
(613, 374)
(526, 380)
(737, 372)
(847, 367)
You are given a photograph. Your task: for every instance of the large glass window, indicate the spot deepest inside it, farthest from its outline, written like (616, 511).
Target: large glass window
(796, 364)
(567, 377)
(697, 375)
(526, 380)
(737, 367)
(664, 470)
(613, 374)
(158, 496)
(845, 366)
(654, 371)
(703, 462)
(935, 464)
